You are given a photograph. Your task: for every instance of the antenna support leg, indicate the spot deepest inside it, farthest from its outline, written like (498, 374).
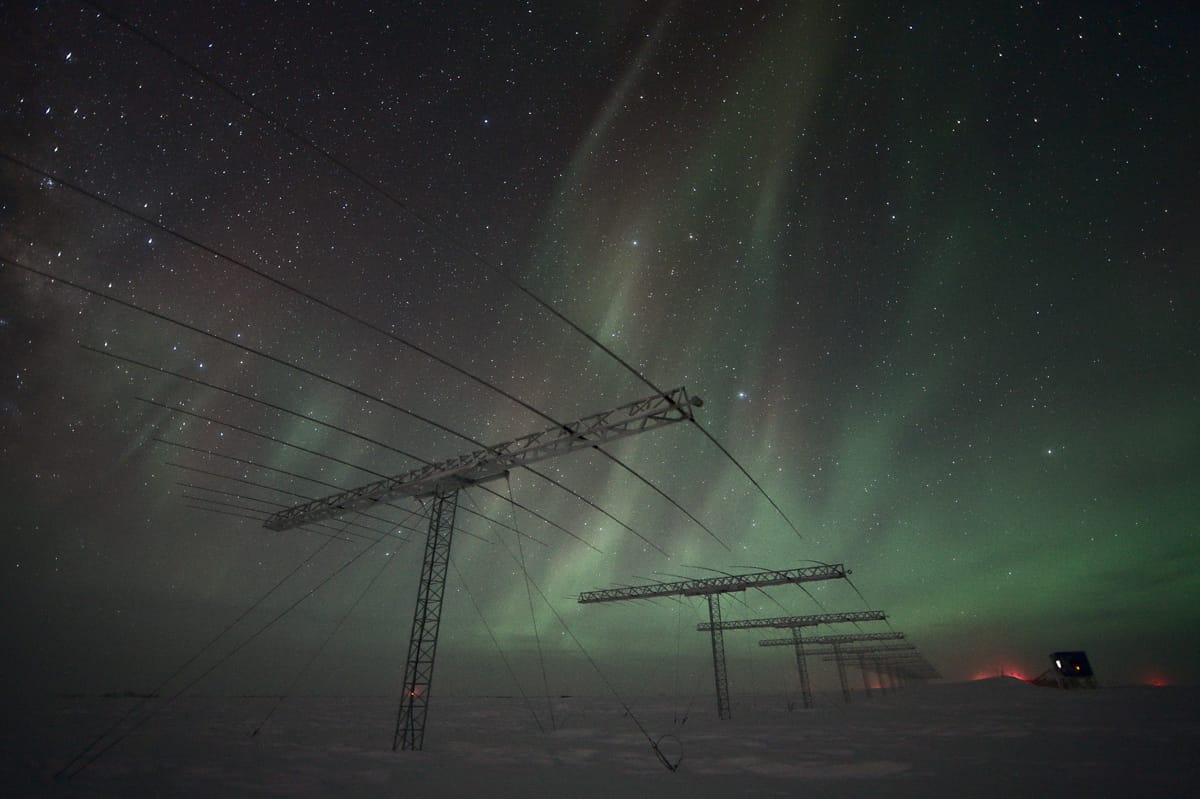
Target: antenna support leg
(720, 673)
(802, 669)
(841, 669)
(427, 617)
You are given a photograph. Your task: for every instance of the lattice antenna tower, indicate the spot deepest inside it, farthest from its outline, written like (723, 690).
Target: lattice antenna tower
(711, 588)
(834, 641)
(900, 667)
(843, 655)
(796, 624)
(440, 483)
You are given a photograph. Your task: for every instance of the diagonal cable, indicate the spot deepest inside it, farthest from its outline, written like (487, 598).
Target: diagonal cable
(537, 638)
(222, 660)
(63, 772)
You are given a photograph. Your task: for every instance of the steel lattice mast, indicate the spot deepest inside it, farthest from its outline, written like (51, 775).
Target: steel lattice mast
(802, 663)
(840, 653)
(864, 652)
(900, 665)
(795, 623)
(441, 483)
(838, 649)
(806, 694)
(427, 615)
(843, 647)
(711, 588)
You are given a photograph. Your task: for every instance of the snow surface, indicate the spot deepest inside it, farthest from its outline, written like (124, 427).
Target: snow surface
(992, 738)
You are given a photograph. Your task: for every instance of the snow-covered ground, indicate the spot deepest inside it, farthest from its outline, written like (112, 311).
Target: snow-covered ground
(992, 738)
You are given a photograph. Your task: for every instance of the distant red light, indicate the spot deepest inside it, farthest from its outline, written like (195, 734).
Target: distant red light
(1002, 671)
(1153, 678)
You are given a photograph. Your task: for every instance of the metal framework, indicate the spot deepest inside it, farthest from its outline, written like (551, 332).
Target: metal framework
(712, 588)
(839, 649)
(897, 666)
(848, 651)
(840, 661)
(441, 481)
(720, 672)
(864, 654)
(806, 694)
(422, 641)
(795, 623)
(898, 653)
(916, 668)
(828, 640)
(783, 622)
(727, 584)
(492, 462)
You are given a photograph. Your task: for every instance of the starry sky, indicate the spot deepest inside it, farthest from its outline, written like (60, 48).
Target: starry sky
(932, 269)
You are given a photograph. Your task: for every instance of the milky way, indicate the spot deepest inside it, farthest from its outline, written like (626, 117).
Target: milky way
(932, 272)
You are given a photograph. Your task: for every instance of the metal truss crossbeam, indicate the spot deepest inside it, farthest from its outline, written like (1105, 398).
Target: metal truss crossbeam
(912, 657)
(848, 651)
(783, 622)
(848, 638)
(712, 588)
(717, 585)
(492, 462)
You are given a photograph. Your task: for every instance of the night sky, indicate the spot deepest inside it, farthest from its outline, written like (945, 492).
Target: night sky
(932, 269)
